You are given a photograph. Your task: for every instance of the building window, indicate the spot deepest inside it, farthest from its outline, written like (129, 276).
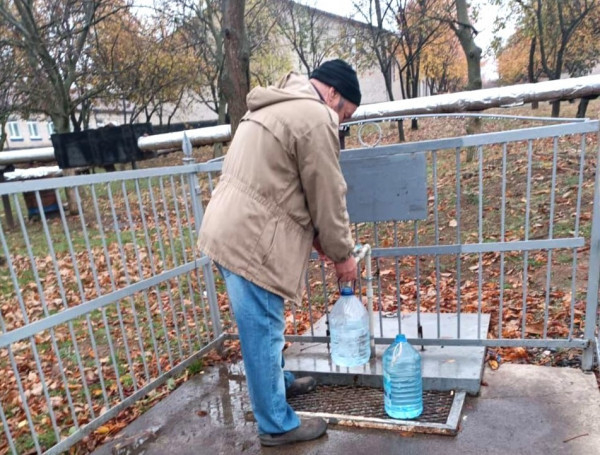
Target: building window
(34, 133)
(14, 132)
(51, 129)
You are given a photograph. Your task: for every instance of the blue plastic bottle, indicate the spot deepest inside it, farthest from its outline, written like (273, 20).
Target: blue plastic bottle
(349, 328)
(402, 381)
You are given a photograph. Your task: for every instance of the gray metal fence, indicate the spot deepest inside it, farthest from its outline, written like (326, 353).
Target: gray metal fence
(514, 233)
(100, 308)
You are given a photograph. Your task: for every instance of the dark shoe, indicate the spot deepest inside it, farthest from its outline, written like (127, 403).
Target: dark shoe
(301, 386)
(309, 429)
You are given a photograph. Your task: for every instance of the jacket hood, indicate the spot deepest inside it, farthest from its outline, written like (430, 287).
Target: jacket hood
(291, 87)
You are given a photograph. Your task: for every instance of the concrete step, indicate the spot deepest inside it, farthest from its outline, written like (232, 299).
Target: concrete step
(443, 367)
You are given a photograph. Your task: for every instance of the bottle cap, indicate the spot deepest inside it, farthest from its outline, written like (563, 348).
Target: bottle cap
(346, 291)
(400, 338)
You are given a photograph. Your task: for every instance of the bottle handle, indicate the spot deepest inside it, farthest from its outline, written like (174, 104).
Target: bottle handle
(397, 353)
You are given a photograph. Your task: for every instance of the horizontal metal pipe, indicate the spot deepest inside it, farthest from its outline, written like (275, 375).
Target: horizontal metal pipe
(548, 343)
(476, 100)
(27, 155)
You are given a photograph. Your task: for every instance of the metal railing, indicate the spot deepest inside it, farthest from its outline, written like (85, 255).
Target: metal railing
(100, 308)
(474, 101)
(521, 243)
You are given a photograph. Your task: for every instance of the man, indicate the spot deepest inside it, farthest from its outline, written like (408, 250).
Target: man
(280, 192)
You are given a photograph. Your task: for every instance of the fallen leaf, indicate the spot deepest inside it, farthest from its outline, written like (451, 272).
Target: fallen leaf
(493, 364)
(202, 413)
(102, 430)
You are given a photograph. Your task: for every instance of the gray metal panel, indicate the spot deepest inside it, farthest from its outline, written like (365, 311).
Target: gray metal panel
(385, 188)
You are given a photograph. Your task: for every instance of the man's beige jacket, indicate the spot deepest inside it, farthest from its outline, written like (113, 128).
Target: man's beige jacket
(280, 188)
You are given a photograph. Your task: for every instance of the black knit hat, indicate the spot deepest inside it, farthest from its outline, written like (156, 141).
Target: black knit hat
(339, 75)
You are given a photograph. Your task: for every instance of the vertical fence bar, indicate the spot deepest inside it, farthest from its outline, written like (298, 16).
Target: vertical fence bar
(310, 312)
(576, 233)
(502, 239)
(526, 253)
(377, 262)
(398, 298)
(193, 187)
(550, 235)
(209, 276)
(480, 239)
(9, 438)
(196, 203)
(458, 241)
(436, 219)
(418, 279)
(324, 281)
(591, 308)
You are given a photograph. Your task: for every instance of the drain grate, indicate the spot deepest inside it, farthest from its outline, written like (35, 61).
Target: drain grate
(363, 406)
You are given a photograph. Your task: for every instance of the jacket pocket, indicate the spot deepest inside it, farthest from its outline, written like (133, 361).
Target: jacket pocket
(267, 239)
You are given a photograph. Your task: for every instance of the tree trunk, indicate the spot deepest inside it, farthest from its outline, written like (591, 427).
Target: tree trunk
(235, 78)
(465, 34)
(530, 70)
(555, 108)
(221, 112)
(401, 137)
(61, 123)
(583, 105)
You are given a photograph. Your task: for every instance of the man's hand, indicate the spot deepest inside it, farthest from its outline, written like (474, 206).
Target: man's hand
(346, 271)
(317, 247)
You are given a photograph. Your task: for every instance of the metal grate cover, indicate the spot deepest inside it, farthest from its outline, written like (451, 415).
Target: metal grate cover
(363, 406)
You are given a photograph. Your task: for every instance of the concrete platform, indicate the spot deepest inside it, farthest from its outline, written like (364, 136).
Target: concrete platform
(523, 409)
(444, 368)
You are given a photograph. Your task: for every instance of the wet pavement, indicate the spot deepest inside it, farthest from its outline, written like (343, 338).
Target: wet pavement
(521, 409)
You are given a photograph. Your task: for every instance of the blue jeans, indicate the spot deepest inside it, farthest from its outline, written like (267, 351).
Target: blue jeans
(261, 323)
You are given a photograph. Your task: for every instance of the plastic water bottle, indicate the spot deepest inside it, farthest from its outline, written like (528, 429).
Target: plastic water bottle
(402, 381)
(349, 328)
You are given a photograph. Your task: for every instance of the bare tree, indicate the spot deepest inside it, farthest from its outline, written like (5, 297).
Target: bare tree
(10, 99)
(417, 31)
(235, 77)
(555, 23)
(466, 35)
(54, 40)
(381, 39)
(313, 35)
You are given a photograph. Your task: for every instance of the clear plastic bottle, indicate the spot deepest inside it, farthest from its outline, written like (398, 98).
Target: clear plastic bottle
(349, 328)
(402, 380)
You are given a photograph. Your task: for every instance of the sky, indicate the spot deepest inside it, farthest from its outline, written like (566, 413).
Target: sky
(484, 25)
